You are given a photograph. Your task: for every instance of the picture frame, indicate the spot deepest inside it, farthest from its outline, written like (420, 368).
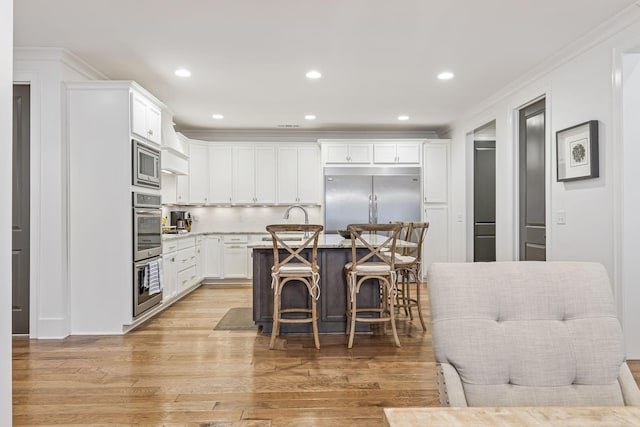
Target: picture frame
(577, 152)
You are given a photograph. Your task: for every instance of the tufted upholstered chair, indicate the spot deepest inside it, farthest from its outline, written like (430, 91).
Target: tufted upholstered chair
(527, 334)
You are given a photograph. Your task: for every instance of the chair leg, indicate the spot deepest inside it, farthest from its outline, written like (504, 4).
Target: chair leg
(392, 314)
(351, 320)
(419, 304)
(276, 315)
(314, 318)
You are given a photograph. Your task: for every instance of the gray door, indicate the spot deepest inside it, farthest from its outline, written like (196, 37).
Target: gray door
(532, 182)
(484, 201)
(20, 208)
(396, 198)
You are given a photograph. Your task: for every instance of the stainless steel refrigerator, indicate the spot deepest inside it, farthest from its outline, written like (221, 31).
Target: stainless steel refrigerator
(370, 196)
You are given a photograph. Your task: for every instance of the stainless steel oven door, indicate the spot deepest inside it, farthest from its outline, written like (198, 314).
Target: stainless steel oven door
(142, 301)
(146, 165)
(147, 233)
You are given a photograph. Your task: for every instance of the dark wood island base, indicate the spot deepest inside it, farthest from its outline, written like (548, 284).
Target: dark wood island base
(332, 301)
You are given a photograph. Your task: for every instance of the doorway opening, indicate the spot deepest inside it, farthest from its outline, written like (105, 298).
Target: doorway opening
(20, 230)
(484, 193)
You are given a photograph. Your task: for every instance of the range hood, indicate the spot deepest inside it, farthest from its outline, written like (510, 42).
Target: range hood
(174, 159)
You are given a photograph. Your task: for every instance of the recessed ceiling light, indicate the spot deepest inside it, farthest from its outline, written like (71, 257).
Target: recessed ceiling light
(183, 73)
(218, 116)
(313, 74)
(445, 75)
(402, 118)
(310, 117)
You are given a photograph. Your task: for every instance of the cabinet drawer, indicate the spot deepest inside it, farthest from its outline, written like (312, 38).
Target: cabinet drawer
(235, 238)
(169, 246)
(186, 242)
(187, 277)
(186, 258)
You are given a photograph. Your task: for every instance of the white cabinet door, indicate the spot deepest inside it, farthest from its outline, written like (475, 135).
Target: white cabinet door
(436, 172)
(408, 153)
(212, 255)
(220, 174)
(235, 260)
(168, 189)
(199, 174)
(182, 189)
(199, 257)
(337, 153)
(360, 153)
(436, 243)
(146, 118)
(309, 175)
(265, 179)
(287, 175)
(384, 153)
(186, 278)
(169, 276)
(244, 175)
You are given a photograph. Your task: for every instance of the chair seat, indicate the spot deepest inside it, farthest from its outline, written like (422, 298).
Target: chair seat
(370, 267)
(294, 268)
(401, 259)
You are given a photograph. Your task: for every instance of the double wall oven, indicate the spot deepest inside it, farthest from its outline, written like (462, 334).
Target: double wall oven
(147, 251)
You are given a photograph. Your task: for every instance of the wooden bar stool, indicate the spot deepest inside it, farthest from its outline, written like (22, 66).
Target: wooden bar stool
(292, 267)
(372, 265)
(408, 266)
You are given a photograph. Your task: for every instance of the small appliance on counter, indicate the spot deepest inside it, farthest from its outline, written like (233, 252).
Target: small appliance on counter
(180, 222)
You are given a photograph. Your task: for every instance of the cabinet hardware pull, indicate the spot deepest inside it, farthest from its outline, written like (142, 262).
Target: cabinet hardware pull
(151, 132)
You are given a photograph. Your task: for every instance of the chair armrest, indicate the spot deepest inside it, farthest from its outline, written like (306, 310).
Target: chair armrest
(450, 387)
(630, 391)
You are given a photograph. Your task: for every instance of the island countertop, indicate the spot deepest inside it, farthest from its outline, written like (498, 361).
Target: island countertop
(327, 241)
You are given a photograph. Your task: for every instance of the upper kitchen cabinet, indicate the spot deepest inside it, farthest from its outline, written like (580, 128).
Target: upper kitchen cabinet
(436, 171)
(146, 118)
(406, 153)
(199, 173)
(347, 153)
(298, 174)
(254, 174)
(220, 174)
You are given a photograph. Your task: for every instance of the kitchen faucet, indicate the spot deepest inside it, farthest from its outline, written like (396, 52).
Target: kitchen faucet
(306, 214)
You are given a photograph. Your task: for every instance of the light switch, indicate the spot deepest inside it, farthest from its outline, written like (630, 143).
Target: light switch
(561, 217)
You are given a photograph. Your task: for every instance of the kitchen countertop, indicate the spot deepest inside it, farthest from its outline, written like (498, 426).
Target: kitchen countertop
(171, 236)
(331, 241)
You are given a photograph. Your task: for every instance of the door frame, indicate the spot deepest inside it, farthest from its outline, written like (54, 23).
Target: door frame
(549, 172)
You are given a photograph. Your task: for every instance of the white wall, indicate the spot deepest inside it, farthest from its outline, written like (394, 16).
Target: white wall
(45, 70)
(578, 88)
(6, 95)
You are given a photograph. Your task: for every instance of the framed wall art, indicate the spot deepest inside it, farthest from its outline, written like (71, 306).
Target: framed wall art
(577, 152)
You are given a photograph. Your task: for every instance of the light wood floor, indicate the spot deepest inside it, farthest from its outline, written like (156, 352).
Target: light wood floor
(176, 370)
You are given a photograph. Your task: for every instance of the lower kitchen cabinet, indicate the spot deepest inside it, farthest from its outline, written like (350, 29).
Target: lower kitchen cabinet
(235, 257)
(211, 267)
(170, 276)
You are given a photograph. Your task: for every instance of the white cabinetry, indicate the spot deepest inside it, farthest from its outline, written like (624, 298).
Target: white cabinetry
(298, 176)
(341, 153)
(146, 118)
(436, 199)
(254, 175)
(170, 275)
(99, 132)
(168, 189)
(212, 257)
(182, 189)
(180, 267)
(407, 153)
(436, 171)
(235, 256)
(198, 173)
(220, 174)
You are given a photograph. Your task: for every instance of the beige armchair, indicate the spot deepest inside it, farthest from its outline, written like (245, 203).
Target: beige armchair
(527, 334)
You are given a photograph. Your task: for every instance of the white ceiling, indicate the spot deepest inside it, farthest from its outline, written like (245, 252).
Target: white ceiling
(248, 58)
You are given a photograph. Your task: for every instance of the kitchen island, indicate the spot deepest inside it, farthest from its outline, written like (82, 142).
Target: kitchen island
(333, 253)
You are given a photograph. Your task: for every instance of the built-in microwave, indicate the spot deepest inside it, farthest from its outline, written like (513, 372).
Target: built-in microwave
(146, 165)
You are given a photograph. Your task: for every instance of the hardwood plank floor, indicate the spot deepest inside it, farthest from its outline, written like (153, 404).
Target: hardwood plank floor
(176, 370)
